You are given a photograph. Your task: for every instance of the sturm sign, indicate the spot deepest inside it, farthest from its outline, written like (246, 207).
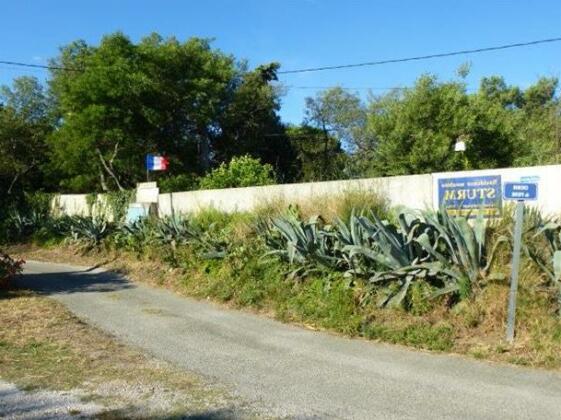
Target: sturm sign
(466, 196)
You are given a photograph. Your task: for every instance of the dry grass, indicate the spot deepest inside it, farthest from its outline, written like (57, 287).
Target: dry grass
(44, 346)
(328, 206)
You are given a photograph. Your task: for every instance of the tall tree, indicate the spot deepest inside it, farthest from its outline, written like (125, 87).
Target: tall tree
(339, 113)
(120, 100)
(538, 125)
(416, 130)
(250, 124)
(319, 156)
(24, 126)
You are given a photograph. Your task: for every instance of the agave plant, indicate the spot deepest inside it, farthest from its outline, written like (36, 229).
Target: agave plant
(392, 247)
(21, 225)
(449, 253)
(547, 257)
(389, 254)
(304, 244)
(135, 235)
(89, 231)
(460, 249)
(353, 234)
(61, 226)
(176, 230)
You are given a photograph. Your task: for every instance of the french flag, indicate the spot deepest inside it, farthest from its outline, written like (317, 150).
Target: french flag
(156, 163)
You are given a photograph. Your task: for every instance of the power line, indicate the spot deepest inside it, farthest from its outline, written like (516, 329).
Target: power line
(423, 57)
(354, 88)
(38, 66)
(348, 87)
(28, 70)
(341, 66)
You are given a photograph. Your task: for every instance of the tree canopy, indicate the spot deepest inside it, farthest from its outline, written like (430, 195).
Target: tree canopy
(106, 106)
(414, 130)
(24, 126)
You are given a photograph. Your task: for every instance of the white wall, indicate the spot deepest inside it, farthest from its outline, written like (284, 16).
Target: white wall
(413, 191)
(71, 204)
(77, 205)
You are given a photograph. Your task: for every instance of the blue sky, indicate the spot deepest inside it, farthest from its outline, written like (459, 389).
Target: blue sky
(306, 33)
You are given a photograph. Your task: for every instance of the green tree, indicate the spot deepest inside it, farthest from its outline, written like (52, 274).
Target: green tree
(118, 101)
(538, 125)
(339, 113)
(416, 129)
(24, 126)
(250, 124)
(241, 171)
(317, 160)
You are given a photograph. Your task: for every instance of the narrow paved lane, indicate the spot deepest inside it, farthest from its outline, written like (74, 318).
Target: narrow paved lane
(293, 372)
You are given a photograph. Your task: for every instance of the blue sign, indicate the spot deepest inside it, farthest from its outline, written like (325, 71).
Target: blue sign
(467, 196)
(521, 191)
(135, 212)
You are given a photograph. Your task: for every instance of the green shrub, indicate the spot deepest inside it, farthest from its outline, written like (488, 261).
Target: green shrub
(177, 183)
(243, 171)
(118, 202)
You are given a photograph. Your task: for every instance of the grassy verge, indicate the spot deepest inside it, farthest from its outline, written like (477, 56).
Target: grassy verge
(43, 346)
(474, 327)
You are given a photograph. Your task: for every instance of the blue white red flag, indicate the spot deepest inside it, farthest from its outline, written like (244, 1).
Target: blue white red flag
(156, 163)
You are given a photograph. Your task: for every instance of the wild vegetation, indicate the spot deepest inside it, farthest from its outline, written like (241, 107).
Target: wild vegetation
(417, 278)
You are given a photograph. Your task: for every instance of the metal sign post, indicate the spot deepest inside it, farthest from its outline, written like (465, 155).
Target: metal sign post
(519, 220)
(519, 192)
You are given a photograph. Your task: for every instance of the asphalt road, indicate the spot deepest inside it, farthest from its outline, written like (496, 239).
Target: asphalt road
(293, 372)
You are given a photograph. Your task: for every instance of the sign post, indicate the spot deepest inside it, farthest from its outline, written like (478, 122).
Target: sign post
(520, 192)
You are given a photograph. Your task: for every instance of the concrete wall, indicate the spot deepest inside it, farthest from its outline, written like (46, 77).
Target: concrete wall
(77, 205)
(413, 191)
(71, 205)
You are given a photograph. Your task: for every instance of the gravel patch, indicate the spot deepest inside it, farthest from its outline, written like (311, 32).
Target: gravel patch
(18, 404)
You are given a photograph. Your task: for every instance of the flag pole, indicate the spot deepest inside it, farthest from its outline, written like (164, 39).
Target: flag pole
(146, 160)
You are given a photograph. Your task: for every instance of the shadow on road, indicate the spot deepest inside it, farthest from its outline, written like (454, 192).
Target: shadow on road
(220, 414)
(73, 282)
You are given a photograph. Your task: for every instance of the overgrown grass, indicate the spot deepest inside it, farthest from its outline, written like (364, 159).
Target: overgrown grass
(329, 207)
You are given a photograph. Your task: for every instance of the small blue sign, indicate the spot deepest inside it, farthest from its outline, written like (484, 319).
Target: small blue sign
(521, 191)
(467, 196)
(135, 212)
